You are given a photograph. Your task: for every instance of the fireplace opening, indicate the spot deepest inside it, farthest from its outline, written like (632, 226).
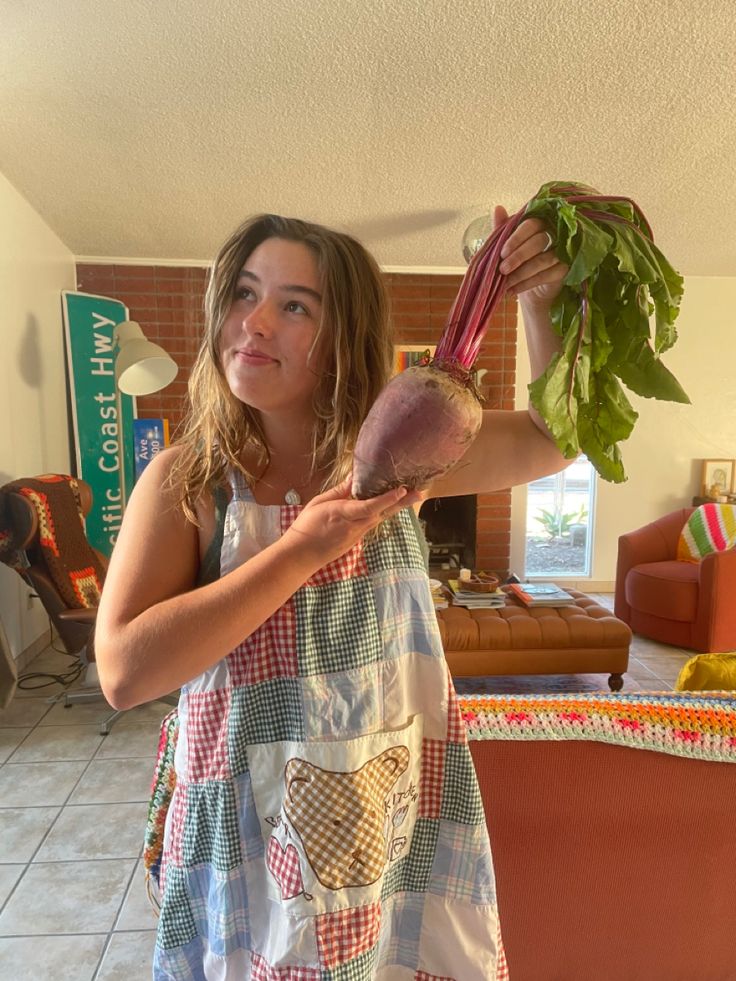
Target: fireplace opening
(449, 527)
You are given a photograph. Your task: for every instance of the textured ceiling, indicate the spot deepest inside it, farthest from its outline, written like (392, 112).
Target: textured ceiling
(150, 129)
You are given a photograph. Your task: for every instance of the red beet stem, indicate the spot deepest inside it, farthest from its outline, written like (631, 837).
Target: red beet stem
(483, 286)
(480, 292)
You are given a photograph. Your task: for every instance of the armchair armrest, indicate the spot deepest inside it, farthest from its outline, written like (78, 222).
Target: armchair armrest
(653, 542)
(715, 626)
(84, 615)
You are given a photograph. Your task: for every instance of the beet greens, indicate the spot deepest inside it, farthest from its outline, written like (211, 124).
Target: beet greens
(618, 278)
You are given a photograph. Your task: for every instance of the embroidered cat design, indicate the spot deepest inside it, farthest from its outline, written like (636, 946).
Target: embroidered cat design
(341, 817)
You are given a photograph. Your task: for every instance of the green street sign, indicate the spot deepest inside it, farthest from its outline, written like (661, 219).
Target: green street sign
(89, 323)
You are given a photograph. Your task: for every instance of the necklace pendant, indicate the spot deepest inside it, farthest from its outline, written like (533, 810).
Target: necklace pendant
(292, 497)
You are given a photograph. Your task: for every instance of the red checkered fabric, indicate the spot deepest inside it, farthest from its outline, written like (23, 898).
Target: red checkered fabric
(456, 730)
(261, 970)
(431, 778)
(423, 976)
(283, 863)
(207, 723)
(343, 935)
(502, 968)
(269, 652)
(348, 566)
(178, 815)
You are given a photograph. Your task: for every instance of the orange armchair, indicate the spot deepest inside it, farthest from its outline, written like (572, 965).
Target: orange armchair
(680, 603)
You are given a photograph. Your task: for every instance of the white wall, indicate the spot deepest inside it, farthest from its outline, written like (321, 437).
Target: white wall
(35, 266)
(663, 457)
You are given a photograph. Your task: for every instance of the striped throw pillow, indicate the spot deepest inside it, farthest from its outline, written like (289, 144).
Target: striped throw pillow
(710, 528)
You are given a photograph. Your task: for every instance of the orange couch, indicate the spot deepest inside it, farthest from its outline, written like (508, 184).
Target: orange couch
(680, 603)
(611, 823)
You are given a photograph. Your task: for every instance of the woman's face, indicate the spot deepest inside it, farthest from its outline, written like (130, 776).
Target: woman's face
(267, 335)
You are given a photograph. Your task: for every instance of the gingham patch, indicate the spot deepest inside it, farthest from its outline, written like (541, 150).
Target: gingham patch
(269, 652)
(340, 817)
(502, 967)
(337, 627)
(283, 864)
(264, 713)
(343, 935)
(220, 907)
(461, 800)
(211, 830)
(349, 566)
(423, 976)
(395, 551)
(412, 873)
(207, 733)
(401, 929)
(358, 969)
(431, 778)
(173, 844)
(261, 970)
(456, 729)
(462, 868)
(176, 925)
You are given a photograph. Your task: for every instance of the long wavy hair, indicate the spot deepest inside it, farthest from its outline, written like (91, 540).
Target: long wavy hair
(354, 344)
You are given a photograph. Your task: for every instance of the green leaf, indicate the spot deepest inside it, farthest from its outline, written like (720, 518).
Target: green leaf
(646, 375)
(625, 280)
(549, 394)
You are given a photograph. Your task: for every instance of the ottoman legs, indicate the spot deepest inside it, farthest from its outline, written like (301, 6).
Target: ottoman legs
(616, 682)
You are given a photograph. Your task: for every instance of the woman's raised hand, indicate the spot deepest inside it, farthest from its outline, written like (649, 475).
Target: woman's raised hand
(331, 523)
(529, 261)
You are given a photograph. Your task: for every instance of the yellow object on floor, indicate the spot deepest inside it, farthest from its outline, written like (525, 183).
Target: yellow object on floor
(708, 672)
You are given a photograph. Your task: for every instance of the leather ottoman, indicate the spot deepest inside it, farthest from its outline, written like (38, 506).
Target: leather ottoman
(582, 639)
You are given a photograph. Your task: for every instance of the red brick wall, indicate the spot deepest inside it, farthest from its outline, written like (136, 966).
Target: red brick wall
(167, 301)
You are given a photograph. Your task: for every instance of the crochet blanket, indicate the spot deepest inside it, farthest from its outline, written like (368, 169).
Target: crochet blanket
(72, 563)
(698, 725)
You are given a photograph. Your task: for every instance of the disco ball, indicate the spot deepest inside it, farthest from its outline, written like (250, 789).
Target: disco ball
(475, 235)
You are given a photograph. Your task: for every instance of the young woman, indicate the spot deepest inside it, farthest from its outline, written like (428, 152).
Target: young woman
(326, 821)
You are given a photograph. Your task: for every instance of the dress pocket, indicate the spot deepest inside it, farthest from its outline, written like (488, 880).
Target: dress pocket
(335, 815)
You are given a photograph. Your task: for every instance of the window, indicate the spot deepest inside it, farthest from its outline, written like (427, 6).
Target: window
(559, 521)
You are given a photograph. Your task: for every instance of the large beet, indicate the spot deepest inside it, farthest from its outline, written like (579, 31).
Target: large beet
(417, 429)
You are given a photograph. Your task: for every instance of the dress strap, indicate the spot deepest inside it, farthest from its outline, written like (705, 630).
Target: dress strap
(209, 569)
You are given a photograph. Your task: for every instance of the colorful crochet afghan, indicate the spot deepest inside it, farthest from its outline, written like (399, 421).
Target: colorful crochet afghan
(72, 563)
(681, 724)
(710, 528)
(162, 789)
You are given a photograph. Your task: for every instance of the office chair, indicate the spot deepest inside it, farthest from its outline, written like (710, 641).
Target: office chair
(42, 537)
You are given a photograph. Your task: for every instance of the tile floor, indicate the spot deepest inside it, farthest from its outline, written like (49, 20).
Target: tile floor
(73, 905)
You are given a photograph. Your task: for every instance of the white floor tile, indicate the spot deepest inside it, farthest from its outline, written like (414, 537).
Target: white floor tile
(24, 712)
(95, 831)
(51, 743)
(114, 781)
(31, 784)
(9, 875)
(130, 741)
(60, 897)
(61, 958)
(10, 739)
(137, 912)
(22, 829)
(128, 956)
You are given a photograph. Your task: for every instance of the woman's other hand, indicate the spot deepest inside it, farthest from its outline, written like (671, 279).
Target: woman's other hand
(332, 522)
(529, 260)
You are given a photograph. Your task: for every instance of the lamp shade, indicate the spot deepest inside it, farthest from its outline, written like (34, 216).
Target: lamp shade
(141, 367)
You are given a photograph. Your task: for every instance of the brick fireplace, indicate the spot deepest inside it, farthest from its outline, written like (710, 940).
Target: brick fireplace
(168, 303)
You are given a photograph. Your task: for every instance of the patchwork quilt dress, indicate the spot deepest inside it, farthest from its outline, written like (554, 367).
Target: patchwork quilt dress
(326, 823)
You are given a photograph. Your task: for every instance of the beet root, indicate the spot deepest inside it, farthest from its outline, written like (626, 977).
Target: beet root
(417, 429)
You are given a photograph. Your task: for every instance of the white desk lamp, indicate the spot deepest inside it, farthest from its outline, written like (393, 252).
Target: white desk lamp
(141, 368)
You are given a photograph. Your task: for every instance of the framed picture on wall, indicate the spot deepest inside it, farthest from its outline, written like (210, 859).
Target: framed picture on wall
(717, 474)
(406, 355)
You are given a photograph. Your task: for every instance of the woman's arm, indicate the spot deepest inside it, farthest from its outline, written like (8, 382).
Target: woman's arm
(515, 447)
(156, 630)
